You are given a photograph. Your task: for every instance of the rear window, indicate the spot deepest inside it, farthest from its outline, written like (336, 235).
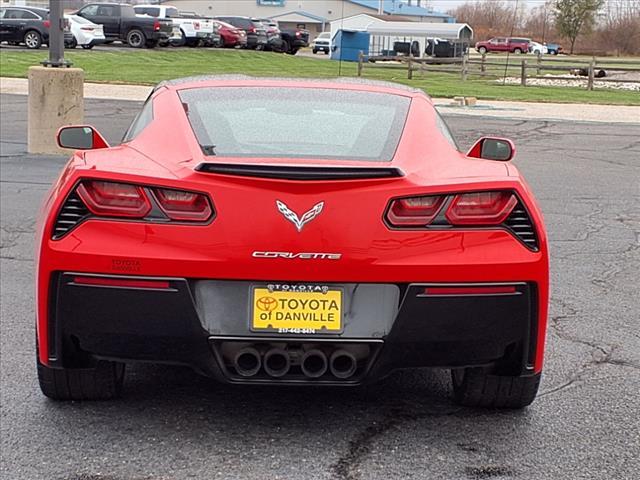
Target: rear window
(296, 122)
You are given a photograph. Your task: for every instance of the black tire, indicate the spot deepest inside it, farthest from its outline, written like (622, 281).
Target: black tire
(72, 44)
(517, 51)
(102, 382)
(474, 387)
(285, 46)
(326, 52)
(87, 47)
(293, 51)
(314, 51)
(482, 50)
(183, 40)
(135, 38)
(32, 39)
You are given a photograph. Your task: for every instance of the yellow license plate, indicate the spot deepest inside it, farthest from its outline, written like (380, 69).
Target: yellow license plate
(297, 312)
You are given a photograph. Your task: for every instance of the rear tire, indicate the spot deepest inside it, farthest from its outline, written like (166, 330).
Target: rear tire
(517, 51)
(33, 40)
(102, 382)
(135, 38)
(482, 50)
(474, 387)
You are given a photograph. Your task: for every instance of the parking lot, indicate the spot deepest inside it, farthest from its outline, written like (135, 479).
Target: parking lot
(172, 424)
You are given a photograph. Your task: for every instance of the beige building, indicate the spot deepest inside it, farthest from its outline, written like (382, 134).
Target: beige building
(313, 15)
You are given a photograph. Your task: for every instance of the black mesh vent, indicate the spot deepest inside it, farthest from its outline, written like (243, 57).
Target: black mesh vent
(521, 225)
(72, 212)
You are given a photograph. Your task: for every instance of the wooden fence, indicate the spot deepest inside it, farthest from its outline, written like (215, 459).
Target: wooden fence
(513, 66)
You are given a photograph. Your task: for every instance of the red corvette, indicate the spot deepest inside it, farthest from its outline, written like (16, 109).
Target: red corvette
(350, 239)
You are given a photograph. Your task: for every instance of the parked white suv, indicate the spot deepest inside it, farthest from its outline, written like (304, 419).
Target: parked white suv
(322, 43)
(188, 30)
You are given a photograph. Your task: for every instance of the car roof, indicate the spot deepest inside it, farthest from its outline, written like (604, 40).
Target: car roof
(24, 7)
(343, 83)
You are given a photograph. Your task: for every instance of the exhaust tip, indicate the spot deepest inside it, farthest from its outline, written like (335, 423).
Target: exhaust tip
(314, 363)
(247, 362)
(276, 362)
(343, 364)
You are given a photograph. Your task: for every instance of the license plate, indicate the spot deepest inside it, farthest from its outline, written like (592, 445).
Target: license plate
(308, 312)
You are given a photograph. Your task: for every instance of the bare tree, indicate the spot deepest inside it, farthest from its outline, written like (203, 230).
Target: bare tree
(620, 28)
(575, 17)
(490, 18)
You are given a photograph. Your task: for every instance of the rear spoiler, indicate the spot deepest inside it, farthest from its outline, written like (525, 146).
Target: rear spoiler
(297, 172)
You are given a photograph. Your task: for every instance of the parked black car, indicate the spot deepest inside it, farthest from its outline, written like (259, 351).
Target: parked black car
(121, 23)
(256, 32)
(294, 40)
(28, 25)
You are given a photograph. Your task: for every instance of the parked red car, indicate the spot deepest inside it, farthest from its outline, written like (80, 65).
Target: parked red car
(230, 35)
(329, 257)
(504, 44)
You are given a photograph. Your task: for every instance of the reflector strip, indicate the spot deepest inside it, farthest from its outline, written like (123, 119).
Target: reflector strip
(495, 290)
(121, 282)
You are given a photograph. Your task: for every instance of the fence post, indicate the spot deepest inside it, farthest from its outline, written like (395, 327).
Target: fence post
(483, 67)
(464, 68)
(539, 63)
(591, 75)
(523, 73)
(409, 68)
(360, 62)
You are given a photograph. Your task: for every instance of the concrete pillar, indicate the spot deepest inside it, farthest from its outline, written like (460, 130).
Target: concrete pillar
(56, 98)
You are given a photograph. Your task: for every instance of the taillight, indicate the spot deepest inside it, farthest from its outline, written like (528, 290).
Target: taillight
(87, 29)
(46, 23)
(156, 25)
(252, 30)
(414, 211)
(298, 34)
(111, 199)
(481, 208)
(183, 206)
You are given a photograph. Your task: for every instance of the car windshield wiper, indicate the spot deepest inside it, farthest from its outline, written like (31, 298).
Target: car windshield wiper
(208, 149)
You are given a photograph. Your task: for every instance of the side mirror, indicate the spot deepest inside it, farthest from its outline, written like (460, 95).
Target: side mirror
(80, 137)
(489, 148)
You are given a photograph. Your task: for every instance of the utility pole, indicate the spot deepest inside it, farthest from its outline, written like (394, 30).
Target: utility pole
(56, 91)
(380, 7)
(56, 36)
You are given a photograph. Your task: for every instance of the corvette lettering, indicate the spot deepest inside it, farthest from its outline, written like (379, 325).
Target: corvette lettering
(301, 255)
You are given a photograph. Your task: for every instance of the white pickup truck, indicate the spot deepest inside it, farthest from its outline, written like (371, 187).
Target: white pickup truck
(190, 30)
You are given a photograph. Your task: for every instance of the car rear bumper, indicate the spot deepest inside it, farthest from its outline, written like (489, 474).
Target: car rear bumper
(204, 323)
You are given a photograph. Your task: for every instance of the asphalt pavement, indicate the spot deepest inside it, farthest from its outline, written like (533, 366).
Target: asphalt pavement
(172, 424)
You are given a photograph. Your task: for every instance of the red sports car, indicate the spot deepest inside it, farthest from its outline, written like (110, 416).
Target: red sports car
(349, 239)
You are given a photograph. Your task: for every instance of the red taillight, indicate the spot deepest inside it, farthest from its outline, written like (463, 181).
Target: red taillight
(415, 211)
(481, 208)
(46, 23)
(156, 25)
(252, 30)
(111, 199)
(183, 206)
(465, 290)
(121, 282)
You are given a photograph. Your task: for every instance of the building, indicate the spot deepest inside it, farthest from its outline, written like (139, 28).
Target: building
(313, 15)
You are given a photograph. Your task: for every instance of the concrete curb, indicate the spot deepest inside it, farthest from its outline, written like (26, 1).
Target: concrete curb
(485, 108)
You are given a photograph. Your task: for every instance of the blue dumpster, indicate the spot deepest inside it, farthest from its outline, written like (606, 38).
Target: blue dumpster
(347, 45)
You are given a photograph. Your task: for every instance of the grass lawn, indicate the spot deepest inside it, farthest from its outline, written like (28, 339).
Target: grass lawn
(148, 67)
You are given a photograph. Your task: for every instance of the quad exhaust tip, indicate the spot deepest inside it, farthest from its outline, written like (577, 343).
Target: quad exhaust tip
(343, 364)
(314, 363)
(247, 362)
(276, 362)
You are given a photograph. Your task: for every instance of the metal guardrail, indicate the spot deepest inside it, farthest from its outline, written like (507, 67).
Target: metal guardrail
(483, 67)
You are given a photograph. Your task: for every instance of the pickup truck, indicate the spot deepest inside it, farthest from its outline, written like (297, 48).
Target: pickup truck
(121, 23)
(194, 30)
(504, 44)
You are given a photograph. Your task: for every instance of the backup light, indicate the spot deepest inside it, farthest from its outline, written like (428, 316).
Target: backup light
(414, 211)
(183, 206)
